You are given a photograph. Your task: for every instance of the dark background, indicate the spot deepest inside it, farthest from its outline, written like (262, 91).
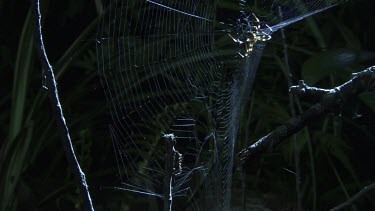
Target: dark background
(34, 171)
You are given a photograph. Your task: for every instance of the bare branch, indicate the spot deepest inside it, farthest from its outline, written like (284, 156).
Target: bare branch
(354, 198)
(51, 87)
(330, 101)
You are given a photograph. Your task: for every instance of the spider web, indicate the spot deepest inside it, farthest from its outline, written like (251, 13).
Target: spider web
(163, 73)
(156, 67)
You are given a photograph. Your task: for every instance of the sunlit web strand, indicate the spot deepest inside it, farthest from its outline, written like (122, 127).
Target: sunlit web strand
(293, 11)
(182, 12)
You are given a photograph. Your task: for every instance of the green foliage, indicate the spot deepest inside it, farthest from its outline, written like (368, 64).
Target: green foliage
(17, 144)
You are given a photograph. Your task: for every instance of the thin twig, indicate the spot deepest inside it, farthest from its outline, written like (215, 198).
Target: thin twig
(354, 198)
(62, 127)
(330, 101)
(168, 177)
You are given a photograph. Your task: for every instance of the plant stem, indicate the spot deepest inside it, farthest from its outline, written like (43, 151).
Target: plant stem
(365, 190)
(293, 112)
(51, 87)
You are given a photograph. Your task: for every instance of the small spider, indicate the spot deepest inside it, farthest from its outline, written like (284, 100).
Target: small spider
(250, 33)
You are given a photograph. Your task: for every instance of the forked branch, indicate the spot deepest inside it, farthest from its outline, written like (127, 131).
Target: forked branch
(329, 101)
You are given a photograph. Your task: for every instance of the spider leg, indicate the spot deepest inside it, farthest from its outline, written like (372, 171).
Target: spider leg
(234, 39)
(269, 27)
(256, 18)
(243, 56)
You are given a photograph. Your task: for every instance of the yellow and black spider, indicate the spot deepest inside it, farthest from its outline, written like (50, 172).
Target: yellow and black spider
(251, 34)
